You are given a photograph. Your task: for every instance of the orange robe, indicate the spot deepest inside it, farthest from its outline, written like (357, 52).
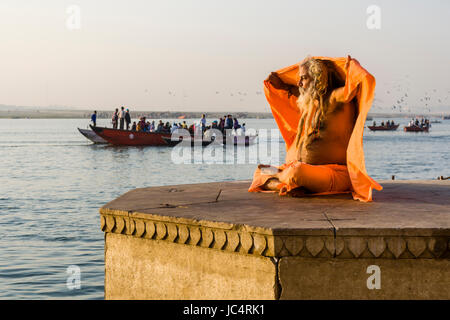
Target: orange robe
(322, 179)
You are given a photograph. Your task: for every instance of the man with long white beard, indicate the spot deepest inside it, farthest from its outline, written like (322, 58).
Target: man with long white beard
(328, 101)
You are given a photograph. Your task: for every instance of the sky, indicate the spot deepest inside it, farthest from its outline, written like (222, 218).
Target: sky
(211, 55)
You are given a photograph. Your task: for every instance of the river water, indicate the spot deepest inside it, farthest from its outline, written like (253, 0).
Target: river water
(53, 181)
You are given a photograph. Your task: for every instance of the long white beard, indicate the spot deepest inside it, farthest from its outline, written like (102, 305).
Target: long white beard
(305, 98)
(305, 103)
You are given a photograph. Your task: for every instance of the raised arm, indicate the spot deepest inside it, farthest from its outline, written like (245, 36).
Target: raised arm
(277, 83)
(341, 95)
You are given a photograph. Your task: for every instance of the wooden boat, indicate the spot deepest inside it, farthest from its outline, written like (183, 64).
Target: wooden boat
(240, 140)
(91, 135)
(119, 137)
(384, 128)
(415, 129)
(173, 143)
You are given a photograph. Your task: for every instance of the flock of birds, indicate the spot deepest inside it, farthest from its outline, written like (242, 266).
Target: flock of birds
(398, 95)
(239, 95)
(402, 102)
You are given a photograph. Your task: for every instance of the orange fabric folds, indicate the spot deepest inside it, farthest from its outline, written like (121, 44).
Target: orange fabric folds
(352, 177)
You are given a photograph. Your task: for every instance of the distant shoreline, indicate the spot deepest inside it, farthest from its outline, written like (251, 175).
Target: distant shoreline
(86, 114)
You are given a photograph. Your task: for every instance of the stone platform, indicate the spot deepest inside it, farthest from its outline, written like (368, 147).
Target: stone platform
(218, 241)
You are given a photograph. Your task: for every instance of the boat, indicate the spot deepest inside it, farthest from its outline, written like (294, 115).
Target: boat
(384, 128)
(435, 121)
(120, 137)
(194, 142)
(415, 129)
(240, 140)
(91, 135)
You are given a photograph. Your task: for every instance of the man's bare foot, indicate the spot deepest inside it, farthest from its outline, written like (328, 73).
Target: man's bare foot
(271, 184)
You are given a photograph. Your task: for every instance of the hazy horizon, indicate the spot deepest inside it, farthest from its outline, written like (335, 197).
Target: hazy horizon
(208, 55)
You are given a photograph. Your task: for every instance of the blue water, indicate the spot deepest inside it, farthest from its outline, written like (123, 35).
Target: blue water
(53, 181)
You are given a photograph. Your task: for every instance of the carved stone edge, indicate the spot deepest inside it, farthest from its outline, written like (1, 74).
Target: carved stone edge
(269, 245)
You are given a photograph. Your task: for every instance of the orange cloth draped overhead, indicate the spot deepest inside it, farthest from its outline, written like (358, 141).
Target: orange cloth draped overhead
(287, 115)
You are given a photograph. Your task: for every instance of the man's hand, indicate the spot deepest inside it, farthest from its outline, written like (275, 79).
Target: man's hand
(276, 81)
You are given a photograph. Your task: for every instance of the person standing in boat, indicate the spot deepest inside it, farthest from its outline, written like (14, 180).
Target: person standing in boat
(203, 122)
(122, 117)
(236, 124)
(229, 122)
(228, 125)
(115, 118)
(127, 118)
(221, 124)
(94, 118)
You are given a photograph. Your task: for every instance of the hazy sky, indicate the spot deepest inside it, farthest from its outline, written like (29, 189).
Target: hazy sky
(204, 52)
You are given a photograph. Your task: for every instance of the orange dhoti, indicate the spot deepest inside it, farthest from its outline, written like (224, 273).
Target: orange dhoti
(318, 179)
(328, 178)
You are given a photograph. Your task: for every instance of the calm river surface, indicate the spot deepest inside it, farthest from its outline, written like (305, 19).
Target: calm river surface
(53, 181)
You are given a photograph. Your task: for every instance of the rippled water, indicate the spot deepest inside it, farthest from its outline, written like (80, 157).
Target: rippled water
(53, 181)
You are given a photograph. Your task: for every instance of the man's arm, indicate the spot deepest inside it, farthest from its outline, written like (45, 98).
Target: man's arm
(340, 95)
(277, 83)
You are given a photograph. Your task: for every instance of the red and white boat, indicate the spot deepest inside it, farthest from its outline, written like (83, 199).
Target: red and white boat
(119, 137)
(91, 135)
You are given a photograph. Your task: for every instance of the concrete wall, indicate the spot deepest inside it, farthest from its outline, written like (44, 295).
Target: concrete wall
(137, 268)
(303, 278)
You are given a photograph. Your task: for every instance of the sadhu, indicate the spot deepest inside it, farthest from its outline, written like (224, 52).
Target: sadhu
(320, 106)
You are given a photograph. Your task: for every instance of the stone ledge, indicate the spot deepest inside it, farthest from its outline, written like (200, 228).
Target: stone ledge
(279, 246)
(272, 226)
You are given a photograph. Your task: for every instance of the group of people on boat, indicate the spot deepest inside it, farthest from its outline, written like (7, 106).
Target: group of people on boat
(423, 123)
(228, 123)
(143, 125)
(199, 127)
(388, 124)
(121, 119)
